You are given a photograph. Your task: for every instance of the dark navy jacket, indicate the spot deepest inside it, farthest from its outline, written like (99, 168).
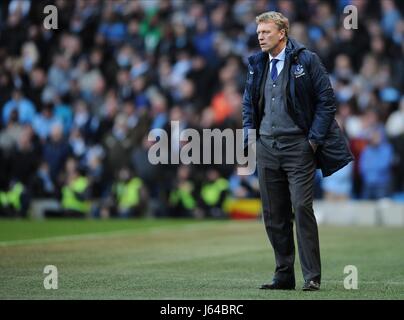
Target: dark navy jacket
(310, 102)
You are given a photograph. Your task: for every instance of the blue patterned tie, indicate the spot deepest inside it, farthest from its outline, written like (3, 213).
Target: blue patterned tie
(274, 70)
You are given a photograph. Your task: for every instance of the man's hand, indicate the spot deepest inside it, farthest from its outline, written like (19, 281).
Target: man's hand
(313, 146)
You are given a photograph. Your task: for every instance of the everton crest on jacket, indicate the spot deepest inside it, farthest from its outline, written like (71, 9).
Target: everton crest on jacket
(310, 102)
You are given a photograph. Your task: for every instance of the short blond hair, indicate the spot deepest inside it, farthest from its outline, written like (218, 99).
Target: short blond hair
(276, 17)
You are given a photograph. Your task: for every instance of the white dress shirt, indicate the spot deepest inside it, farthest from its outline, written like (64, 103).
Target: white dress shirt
(279, 65)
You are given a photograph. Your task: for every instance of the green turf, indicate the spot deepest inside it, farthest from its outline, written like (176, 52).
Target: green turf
(185, 259)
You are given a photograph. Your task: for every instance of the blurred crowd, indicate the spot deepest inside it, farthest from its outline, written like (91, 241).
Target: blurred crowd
(77, 103)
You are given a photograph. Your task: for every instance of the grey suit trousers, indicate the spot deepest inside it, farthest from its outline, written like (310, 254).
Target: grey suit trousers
(286, 169)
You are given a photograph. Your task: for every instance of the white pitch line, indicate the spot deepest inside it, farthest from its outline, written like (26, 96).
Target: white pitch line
(366, 282)
(87, 236)
(98, 235)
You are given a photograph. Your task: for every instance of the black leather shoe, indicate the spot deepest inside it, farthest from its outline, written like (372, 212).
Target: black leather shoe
(278, 285)
(311, 286)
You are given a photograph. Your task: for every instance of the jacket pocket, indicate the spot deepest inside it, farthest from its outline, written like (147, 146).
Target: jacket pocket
(334, 153)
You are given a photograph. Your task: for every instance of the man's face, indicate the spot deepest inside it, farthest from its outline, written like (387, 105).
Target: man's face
(269, 36)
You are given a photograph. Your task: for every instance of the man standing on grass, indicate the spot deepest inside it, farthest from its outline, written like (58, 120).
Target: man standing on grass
(289, 100)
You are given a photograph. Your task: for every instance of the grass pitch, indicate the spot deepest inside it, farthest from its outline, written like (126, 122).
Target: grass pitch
(186, 259)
